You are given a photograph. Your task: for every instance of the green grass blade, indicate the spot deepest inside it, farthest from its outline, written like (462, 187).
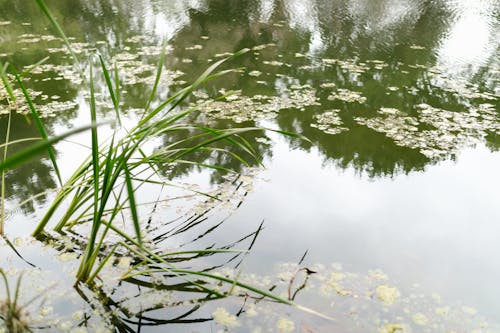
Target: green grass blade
(117, 84)
(39, 124)
(181, 95)
(2, 193)
(102, 264)
(221, 278)
(6, 82)
(84, 268)
(32, 67)
(6, 283)
(161, 61)
(110, 89)
(36, 149)
(133, 206)
(56, 26)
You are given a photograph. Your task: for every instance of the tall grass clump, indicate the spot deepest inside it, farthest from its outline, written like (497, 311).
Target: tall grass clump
(101, 191)
(13, 315)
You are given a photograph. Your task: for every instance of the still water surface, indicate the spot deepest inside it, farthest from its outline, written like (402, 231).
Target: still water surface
(398, 98)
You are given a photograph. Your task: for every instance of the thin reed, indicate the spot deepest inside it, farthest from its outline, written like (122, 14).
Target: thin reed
(106, 183)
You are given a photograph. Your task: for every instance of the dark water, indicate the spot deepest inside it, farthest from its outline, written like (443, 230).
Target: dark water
(398, 98)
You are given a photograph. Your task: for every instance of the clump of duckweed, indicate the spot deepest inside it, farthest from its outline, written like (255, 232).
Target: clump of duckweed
(54, 72)
(285, 325)
(328, 85)
(45, 109)
(194, 47)
(329, 61)
(240, 108)
(350, 66)
(223, 55)
(223, 317)
(420, 319)
(359, 300)
(135, 71)
(273, 63)
(364, 305)
(461, 87)
(329, 122)
(255, 73)
(347, 95)
(377, 64)
(386, 294)
(394, 328)
(263, 46)
(449, 130)
(146, 300)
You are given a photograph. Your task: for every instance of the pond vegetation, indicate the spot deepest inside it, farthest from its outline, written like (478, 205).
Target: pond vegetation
(144, 240)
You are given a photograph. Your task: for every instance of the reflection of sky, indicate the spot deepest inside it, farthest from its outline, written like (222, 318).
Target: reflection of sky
(266, 9)
(303, 15)
(438, 228)
(166, 18)
(381, 16)
(472, 38)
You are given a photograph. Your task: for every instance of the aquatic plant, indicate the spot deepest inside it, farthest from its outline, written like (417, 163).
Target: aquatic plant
(105, 186)
(14, 315)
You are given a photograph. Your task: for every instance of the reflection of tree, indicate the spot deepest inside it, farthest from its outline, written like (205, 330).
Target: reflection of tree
(360, 146)
(347, 37)
(359, 30)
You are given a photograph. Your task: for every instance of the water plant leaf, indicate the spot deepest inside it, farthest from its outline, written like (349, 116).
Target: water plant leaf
(114, 97)
(39, 124)
(6, 83)
(133, 207)
(38, 148)
(159, 69)
(57, 27)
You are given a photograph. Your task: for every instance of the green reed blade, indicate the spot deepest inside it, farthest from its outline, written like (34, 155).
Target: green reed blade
(159, 70)
(56, 26)
(39, 124)
(133, 207)
(111, 90)
(36, 149)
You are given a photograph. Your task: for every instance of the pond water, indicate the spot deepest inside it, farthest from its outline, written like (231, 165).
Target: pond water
(395, 197)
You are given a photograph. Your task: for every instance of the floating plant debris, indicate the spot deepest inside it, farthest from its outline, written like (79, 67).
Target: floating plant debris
(365, 294)
(263, 46)
(450, 130)
(387, 295)
(328, 85)
(46, 110)
(273, 63)
(285, 325)
(329, 122)
(347, 95)
(241, 108)
(222, 317)
(255, 73)
(195, 47)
